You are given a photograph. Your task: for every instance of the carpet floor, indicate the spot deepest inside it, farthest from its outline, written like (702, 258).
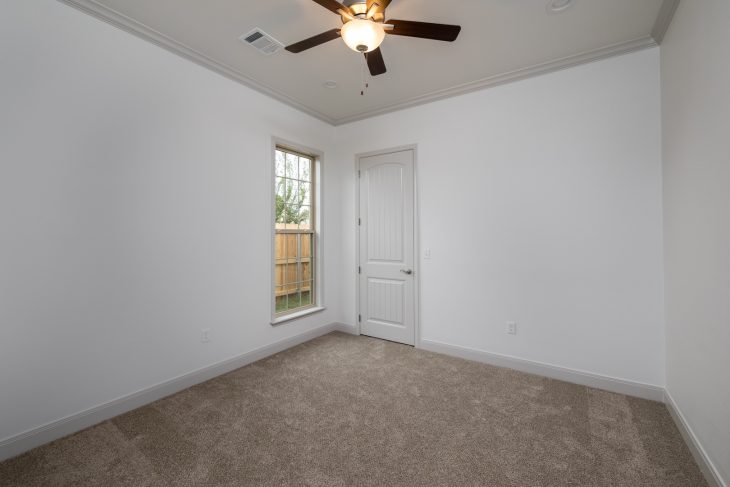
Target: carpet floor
(355, 411)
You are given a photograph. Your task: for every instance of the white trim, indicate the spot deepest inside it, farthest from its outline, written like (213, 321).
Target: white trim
(298, 314)
(345, 328)
(664, 20)
(319, 290)
(416, 250)
(712, 475)
(356, 227)
(416, 237)
(17, 444)
(612, 384)
(132, 26)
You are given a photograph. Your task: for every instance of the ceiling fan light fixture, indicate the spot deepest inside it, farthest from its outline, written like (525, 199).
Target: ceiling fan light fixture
(363, 35)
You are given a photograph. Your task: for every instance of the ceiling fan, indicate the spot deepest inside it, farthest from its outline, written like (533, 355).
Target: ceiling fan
(364, 29)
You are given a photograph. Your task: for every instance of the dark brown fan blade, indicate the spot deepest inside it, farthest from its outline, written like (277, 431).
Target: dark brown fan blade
(425, 30)
(332, 5)
(330, 35)
(376, 63)
(382, 4)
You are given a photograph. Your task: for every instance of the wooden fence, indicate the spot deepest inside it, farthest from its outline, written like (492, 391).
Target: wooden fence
(293, 263)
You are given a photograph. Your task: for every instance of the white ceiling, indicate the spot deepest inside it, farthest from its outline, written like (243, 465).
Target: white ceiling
(500, 40)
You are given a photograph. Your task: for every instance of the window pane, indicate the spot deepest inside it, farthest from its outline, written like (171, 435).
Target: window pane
(291, 247)
(304, 218)
(280, 200)
(291, 277)
(281, 300)
(295, 215)
(305, 169)
(294, 300)
(305, 190)
(306, 244)
(280, 263)
(281, 187)
(290, 217)
(292, 189)
(279, 275)
(292, 166)
(280, 166)
(306, 293)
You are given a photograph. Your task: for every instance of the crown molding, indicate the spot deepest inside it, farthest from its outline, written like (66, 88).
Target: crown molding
(106, 14)
(517, 75)
(664, 20)
(144, 32)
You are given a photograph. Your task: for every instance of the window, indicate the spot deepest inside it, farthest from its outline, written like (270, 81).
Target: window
(295, 238)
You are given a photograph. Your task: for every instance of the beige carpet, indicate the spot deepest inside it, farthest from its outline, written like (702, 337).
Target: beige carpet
(355, 411)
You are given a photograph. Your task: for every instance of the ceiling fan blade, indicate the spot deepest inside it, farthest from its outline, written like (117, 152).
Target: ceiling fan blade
(333, 5)
(424, 30)
(315, 41)
(376, 63)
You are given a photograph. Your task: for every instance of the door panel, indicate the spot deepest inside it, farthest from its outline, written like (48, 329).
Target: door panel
(386, 303)
(385, 213)
(387, 295)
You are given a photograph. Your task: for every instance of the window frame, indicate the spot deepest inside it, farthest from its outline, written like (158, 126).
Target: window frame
(316, 231)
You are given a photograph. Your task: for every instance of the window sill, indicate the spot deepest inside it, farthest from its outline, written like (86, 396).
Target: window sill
(299, 314)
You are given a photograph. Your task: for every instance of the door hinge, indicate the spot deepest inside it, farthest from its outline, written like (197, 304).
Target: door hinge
(359, 318)
(359, 222)
(359, 270)
(358, 173)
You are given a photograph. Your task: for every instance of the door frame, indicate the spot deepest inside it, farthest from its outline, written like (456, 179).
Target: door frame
(416, 238)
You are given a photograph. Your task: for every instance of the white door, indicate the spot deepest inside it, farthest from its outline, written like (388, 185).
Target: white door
(387, 289)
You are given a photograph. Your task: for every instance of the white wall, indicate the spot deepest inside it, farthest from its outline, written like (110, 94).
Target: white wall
(541, 203)
(696, 124)
(133, 212)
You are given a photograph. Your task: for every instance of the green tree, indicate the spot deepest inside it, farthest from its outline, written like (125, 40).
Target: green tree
(290, 202)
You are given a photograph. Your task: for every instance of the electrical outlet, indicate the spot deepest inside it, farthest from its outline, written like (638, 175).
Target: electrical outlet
(512, 328)
(205, 335)
(427, 254)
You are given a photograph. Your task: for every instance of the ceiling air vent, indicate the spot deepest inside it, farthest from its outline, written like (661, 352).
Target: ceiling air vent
(262, 41)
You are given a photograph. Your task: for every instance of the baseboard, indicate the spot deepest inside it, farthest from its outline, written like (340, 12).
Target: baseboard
(698, 452)
(621, 386)
(345, 328)
(17, 444)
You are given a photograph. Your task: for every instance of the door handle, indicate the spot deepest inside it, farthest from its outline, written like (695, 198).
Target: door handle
(407, 271)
